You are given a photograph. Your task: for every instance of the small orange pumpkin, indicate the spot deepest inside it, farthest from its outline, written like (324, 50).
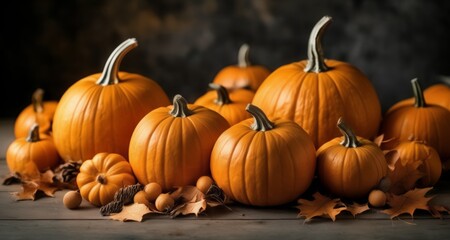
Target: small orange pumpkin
(99, 112)
(243, 75)
(419, 121)
(316, 92)
(431, 167)
(32, 154)
(38, 112)
(172, 145)
(102, 176)
(350, 166)
(263, 163)
(231, 105)
(439, 93)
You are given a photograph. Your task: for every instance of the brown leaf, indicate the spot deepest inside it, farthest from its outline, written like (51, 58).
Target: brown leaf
(321, 206)
(356, 208)
(408, 202)
(133, 212)
(189, 200)
(189, 208)
(386, 144)
(31, 188)
(188, 194)
(404, 177)
(392, 157)
(13, 178)
(436, 210)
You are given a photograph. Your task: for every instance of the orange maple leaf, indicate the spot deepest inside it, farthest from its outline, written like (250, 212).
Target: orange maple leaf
(42, 184)
(356, 208)
(408, 202)
(321, 206)
(133, 212)
(404, 177)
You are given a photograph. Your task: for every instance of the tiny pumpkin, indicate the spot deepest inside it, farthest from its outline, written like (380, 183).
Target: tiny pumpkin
(32, 154)
(231, 105)
(350, 166)
(38, 112)
(262, 163)
(102, 176)
(242, 75)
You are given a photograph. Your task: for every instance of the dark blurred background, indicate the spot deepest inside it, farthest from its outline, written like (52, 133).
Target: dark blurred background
(182, 44)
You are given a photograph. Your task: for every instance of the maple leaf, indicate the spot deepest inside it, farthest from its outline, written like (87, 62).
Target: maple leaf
(31, 188)
(189, 208)
(133, 212)
(404, 177)
(189, 200)
(356, 208)
(392, 157)
(321, 206)
(436, 210)
(408, 202)
(386, 144)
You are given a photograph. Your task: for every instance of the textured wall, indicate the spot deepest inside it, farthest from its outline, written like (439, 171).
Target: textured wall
(183, 44)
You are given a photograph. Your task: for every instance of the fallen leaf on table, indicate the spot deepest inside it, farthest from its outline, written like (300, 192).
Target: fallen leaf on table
(408, 202)
(31, 188)
(437, 210)
(404, 177)
(189, 200)
(133, 212)
(189, 208)
(321, 206)
(357, 208)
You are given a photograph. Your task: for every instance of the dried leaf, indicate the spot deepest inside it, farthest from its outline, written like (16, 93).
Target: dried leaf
(321, 206)
(386, 144)
(356, 208)
(190, 208)
(133, 212)
(188, 194)
(436, 210)
(189, 199)
(408, 202)
(392, 157)
(13, 178)
(404, 177)
(31, 188)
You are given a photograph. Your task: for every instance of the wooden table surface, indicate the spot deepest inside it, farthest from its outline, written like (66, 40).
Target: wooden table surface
(47, 218)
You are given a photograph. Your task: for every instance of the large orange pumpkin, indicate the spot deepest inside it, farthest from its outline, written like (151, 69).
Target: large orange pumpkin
(99, 112)
(419, 121)
(231, 105)
(242, 75)
(439, 93)
(350, 166)
(172, 145)
(38, 112)
(263, 163)
(316, 92)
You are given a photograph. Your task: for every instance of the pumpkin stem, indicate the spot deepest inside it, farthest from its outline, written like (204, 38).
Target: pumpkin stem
(180, 108)
(243, 60)
(33, 135)
(316, 60)
(418, 94)
(222, 94)
(37, 100)
(261, 122)
(110, 74)
(101, 179)
(350, 139)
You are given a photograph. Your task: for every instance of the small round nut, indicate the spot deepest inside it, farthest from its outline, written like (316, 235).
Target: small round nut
(153, 190)
(204, 183)
(72, 199)
(164, 202)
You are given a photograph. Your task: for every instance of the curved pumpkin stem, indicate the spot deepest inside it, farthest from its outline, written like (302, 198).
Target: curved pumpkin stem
(350, 139)
(222, 94)
(180, 108)
(101, 179)
(110, 74)
(37, 100)
(316, 60)
(418, 94)
(243, 60)
(261, 122)
(33, 135)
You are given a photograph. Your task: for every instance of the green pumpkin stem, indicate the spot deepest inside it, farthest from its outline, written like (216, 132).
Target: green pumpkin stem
(110, 74)
(33, 134)
(180, 108)
(418, 94)
(350, 139)
(243, 60)
(37, 100)
(261, 122)
(316, 60)
(222, 94)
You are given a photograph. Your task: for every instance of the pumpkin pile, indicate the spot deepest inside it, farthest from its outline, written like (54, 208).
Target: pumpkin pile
(261, 137)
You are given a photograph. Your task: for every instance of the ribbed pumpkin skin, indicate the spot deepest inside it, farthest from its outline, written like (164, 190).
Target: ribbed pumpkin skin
(350, 172)
(317, 100)
(174, 151)
(115, 171)
(438, 94)
(92, 118)
(263, 168)
(234, 77)
(28, 117)
(411, 151)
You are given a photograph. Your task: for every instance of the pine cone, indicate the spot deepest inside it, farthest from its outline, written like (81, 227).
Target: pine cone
(67, 172)
(112, 207)
(126, 194)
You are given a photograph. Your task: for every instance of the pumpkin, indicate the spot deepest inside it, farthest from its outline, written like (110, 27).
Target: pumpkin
(431, 167)
(231, 105)
(419, 121)
(439, 93)
(172, 145)
(242, 75)
(102, 176)
(32, 154)
(316, 92)
(350, 166)
(99, 112)
(38, 112)
(262, 163)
